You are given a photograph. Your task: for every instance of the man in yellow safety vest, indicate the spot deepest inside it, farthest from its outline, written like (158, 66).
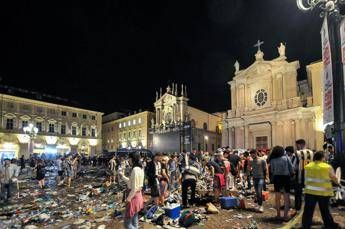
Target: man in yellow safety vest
(318, 189)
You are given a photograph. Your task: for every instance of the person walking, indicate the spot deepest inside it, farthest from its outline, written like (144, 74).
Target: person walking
(134, 200)
(40, 173)
(260, 173)
(281, 169)
(318, 189)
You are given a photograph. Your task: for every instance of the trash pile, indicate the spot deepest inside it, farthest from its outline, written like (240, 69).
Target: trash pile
(85, 205)
(93, 202)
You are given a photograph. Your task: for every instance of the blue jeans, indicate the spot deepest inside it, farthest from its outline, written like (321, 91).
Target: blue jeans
(132, 223)
(258, 186)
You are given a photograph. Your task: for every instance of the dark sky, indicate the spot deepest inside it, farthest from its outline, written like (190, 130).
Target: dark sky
(110, 55)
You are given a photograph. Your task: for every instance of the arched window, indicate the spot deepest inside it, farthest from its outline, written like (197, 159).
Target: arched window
(205, 126)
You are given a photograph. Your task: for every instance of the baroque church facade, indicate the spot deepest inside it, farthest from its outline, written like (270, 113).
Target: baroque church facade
(269, 107)
(178, 126)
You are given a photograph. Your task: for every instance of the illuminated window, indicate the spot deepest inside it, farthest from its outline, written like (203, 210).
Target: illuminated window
(139, 120)
(124, 124)
(63, 129)
(134, 122)
(39, 126)
(83, 131)
(74, 130)
(129, 123)
(51, 128)
(24, 123)
(120, 125)
(9, 124)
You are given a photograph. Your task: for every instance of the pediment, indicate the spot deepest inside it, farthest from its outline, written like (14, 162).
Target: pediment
(257, 68)
(166, 99)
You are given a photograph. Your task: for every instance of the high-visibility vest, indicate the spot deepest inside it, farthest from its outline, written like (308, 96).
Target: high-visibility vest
(317, 180)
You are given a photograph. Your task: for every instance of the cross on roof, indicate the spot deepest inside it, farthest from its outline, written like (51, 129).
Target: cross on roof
(258, 44)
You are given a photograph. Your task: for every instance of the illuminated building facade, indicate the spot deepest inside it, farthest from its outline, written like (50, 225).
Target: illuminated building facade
(178, 126)
(270, 107)
(60, 129)
(131, 131)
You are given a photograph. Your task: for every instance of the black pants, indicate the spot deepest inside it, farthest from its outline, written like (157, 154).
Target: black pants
(6, 188)
(310, 203)
(298, 196)
(185, 185)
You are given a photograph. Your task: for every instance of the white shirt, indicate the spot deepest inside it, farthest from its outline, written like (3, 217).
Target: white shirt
(59, 164)
(9, 173)
(135, 183)
(112, 165)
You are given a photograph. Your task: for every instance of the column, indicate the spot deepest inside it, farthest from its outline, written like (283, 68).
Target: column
(286, 135)
(225, 134)
(274, 133)
(246, 137)
(298, 127)
(311, 133)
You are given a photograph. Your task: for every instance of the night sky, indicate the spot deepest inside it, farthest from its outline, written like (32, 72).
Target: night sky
(113, 55)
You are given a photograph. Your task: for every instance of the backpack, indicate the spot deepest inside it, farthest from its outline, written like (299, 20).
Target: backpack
(233, 169)
(187, 218)
(151, 212)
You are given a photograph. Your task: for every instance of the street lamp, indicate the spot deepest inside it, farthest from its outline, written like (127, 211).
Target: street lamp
(330, 10)
(31, 131)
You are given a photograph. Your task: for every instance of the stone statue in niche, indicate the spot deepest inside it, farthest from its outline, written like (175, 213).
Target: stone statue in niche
(152, 123)
(281, 49)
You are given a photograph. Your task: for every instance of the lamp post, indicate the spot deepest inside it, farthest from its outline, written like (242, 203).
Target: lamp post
(31, 131)
(330, 10)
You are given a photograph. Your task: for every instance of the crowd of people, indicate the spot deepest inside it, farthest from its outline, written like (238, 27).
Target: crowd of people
(291, 170)
(227, 170)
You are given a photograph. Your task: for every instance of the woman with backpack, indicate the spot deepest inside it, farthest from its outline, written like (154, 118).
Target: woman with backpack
(281, 169)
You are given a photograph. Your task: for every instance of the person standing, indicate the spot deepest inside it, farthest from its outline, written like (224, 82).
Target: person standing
(40, 173)
(189, 179)
(154, 174)
(235, 168)
(281, 169)
(318, 189)
(112, 167)
(22, 163)
(59, 170)
(304, 156)
(134, 200)
(8, 173)
(69, 169)
(260, 173)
